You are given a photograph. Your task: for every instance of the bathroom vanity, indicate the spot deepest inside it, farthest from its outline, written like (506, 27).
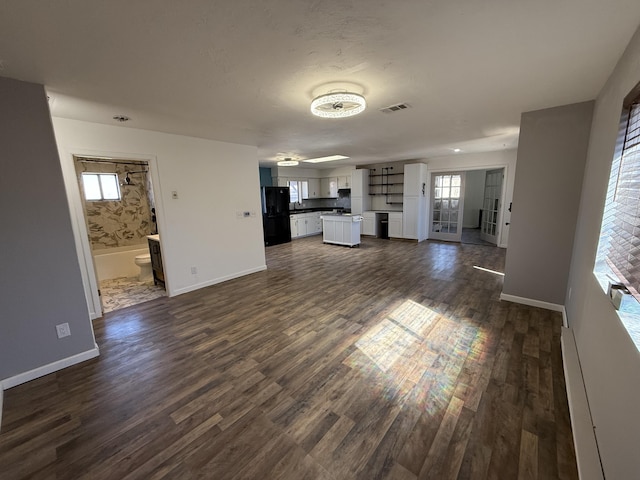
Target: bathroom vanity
(156, 259)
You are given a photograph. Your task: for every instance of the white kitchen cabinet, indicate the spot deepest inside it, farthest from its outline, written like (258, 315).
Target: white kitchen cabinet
(413, 179)
(329, 187)
(368, 223)
(360, 183)
(341, 229)
(410, 220)
(314, 188)
(357, 205)
(314, 225)
(360, 199)
(305, 224)
(395, 225)
(344, 181)
(415, 204)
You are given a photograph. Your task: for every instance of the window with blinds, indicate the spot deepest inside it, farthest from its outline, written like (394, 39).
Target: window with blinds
(619, 249)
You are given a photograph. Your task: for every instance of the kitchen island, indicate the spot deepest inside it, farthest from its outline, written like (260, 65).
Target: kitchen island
(341, 229)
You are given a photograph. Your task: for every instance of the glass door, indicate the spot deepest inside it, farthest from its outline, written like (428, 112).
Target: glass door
(490, 224)
(447, 197)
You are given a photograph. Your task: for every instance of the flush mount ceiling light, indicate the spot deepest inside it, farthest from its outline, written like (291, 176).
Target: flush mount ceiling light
(287, 162)
(338, 105)
(121, 118)
(326, 159)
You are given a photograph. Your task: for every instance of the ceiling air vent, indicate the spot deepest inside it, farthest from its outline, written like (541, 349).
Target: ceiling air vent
(395, 108)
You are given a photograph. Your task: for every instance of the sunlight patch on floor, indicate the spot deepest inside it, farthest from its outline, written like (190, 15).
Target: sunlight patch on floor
(421, 353)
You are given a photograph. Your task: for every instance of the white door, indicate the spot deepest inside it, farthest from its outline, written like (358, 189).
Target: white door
(447, 198)
(490, 223)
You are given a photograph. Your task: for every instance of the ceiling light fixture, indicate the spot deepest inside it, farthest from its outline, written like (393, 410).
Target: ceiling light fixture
(121, 118)
(456, 150)
(287, 162)
(326, 159)
(338, 105)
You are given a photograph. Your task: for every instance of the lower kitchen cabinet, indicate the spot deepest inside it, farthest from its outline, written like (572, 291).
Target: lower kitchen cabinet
(304, 224)
(368, 224)
(395, 225)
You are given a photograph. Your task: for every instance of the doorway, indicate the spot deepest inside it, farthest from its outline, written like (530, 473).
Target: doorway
(119, 212)
(466, 206)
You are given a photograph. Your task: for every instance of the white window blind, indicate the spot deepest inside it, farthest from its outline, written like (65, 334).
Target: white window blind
(620, 233)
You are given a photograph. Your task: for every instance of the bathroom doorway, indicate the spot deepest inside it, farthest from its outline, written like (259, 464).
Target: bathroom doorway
(119, 213)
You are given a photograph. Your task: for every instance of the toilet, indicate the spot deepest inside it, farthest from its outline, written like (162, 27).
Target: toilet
(144, 262)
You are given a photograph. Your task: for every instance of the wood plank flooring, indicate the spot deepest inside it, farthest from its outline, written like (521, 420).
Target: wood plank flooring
(394, 360)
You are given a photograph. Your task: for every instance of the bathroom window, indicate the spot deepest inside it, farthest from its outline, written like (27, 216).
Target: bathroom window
(100, 186)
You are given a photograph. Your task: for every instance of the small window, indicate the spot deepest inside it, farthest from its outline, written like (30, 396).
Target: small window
(298, 190)
(100, 186)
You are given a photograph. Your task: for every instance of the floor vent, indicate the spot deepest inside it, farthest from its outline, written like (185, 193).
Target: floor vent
(395, 108)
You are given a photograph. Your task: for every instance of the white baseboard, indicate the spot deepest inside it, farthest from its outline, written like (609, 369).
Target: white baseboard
(215, 281)
(584, 438)
(531, 302)
(49, 368)
(565, 320)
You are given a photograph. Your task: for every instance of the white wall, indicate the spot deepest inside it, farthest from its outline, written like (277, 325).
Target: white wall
(473, 197)
(215, 181)
(484, 161)
(610, 362)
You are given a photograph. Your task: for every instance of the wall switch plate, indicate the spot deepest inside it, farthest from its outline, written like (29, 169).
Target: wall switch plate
(194, 270)
(63, 330)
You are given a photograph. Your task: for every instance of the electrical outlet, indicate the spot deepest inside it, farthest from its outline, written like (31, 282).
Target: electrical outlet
(174, 194)
(63, 330)
(246, 214)
(194, 270)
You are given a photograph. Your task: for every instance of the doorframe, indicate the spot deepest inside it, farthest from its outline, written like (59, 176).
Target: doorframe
(463, 168)
(79, 222)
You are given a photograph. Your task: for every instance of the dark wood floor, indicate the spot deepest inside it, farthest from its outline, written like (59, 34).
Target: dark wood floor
(392, 360)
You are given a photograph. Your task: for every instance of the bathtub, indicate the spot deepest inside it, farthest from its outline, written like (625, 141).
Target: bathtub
(118, 261)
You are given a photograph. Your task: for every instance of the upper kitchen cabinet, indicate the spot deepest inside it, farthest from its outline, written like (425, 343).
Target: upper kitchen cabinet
(329, 187)
(415, 180)
(314, 188)
(344, 181)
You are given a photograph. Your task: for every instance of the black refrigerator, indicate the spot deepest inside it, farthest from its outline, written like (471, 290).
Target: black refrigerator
(275, 215)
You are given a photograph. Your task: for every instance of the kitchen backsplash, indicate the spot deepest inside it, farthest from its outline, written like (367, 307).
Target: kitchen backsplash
(343, 201)
(119, 223)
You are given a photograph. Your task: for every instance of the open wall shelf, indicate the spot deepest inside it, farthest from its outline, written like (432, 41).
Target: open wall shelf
(387, 183)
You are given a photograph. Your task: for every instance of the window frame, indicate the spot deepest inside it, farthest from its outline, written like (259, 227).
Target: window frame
(301, 188)
(605, 271)
(100, 176)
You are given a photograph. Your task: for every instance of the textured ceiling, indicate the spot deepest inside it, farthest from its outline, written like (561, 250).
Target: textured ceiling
(246, 71)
